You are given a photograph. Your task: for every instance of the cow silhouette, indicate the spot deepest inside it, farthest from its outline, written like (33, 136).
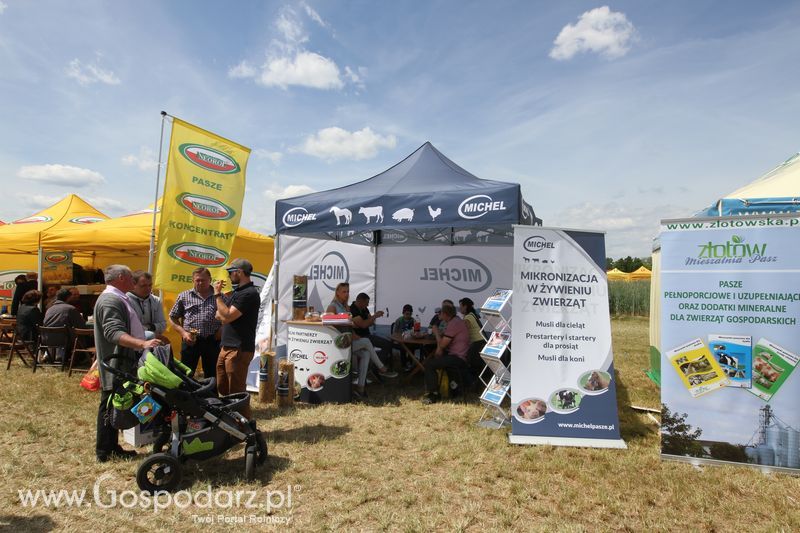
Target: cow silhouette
(370, 212)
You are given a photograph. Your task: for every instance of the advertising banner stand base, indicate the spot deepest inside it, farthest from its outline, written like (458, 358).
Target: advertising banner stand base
(566, 441)
(493, 423)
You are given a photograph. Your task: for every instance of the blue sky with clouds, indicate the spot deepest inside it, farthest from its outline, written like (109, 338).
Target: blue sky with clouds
(610, 115)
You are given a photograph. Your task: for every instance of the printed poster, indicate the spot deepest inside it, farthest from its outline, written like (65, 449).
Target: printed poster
(730, 287)
(563, 389)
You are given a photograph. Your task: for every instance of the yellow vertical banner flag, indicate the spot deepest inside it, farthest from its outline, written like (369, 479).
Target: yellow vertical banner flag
(202, 205)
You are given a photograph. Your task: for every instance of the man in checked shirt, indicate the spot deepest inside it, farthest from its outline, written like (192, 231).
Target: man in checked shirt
(193, 317)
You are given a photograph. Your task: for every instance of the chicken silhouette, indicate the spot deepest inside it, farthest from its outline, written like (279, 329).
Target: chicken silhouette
(434, 212)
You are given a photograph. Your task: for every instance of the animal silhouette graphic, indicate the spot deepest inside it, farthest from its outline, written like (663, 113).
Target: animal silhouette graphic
(434, 212)
(403, 214)
(341, 213)
(370, 212)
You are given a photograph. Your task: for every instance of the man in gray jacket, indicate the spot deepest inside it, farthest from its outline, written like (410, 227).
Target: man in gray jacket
(117, 330)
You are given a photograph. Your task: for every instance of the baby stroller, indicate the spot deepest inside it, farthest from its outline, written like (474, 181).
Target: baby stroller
(195, 423)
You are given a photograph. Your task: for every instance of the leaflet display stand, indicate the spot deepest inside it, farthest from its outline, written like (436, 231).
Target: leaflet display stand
(496, 354)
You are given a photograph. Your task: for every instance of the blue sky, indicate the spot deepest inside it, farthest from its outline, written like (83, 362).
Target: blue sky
(610, 115)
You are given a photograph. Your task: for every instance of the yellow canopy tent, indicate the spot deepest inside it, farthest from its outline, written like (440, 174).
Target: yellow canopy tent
(126, 240)
(640, 273)
(20, 240)
(617, 275)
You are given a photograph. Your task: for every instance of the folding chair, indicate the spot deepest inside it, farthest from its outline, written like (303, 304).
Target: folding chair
(83, 344)
(9, 341)
(53, 344)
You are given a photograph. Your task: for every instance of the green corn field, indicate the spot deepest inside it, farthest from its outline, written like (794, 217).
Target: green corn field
(629, 298)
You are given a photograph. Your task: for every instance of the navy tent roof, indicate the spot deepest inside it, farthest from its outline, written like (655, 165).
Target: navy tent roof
(424, 190)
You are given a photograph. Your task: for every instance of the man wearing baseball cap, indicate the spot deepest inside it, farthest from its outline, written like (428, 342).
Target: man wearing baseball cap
(239, 316)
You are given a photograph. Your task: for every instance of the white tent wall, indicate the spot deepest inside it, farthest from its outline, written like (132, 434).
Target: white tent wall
(326, 263)
(425, 275)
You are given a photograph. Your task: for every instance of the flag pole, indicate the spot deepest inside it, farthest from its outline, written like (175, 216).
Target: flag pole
(155, 200)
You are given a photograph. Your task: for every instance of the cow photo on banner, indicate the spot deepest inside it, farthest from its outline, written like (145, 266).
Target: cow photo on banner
(730, 342)
(203, 194)
(563, 388)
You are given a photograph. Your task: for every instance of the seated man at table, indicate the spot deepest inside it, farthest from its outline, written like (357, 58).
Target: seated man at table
(404, 323)
(362, 321)
(436, 321)
(62, 313)
(452, 347)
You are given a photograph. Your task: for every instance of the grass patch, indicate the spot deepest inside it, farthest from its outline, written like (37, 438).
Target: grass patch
(397, 465)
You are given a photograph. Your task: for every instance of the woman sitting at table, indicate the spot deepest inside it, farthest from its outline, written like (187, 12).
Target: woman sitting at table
(29, 317)
(476, 341)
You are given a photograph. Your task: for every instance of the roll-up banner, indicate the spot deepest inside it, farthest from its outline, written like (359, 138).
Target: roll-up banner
(730, 305)
(423, 276)
(326, 263)
(563, 388)
(202, 205)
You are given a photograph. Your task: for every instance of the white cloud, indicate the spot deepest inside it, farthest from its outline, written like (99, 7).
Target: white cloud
(630, 228)
(3, 7)
(261, 215)
(291, 27)
(91, 73)
(356, 76)
(261, 153)
(64, 175)
(600, 30)
(108, 205)
(289, 63)
(313, 15)
(303, 68)
(337, 143)
(145, 160)
(242, 70)
(37, 201)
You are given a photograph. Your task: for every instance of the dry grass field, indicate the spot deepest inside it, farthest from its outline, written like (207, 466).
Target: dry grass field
(391, 464)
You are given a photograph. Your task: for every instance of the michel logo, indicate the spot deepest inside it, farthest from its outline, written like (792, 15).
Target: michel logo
(460, 272)
(85, 220)
(297, 355)
(56, 257)
(205, 207)
(479, 205)
(198, 254)
(734, 248)
(331, 270)
(296, 216)
(31, 220)
(537, 243)
(209, 159)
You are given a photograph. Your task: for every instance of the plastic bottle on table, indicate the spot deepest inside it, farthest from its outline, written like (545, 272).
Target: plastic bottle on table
(416, 325)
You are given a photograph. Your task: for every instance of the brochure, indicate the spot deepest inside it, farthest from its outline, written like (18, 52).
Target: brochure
(699, 371)
(734, 355)
(496, 391)
(496, 344)
(772, 365)
(495, 303)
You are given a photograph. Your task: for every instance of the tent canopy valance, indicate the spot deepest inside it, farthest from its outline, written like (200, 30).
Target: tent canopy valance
(426, 191)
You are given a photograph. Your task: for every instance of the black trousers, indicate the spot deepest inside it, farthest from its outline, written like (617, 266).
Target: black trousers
(207, 349)
(452, 364)
(107, 436)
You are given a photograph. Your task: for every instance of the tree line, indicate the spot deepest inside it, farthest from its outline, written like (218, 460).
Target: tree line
(629, 264)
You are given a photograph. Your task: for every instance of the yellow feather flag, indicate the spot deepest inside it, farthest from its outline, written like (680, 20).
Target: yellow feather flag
(202, 205)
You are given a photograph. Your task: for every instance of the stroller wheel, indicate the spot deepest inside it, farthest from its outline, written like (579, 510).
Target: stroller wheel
(250, 463)
(159, 472)
(261, 450)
